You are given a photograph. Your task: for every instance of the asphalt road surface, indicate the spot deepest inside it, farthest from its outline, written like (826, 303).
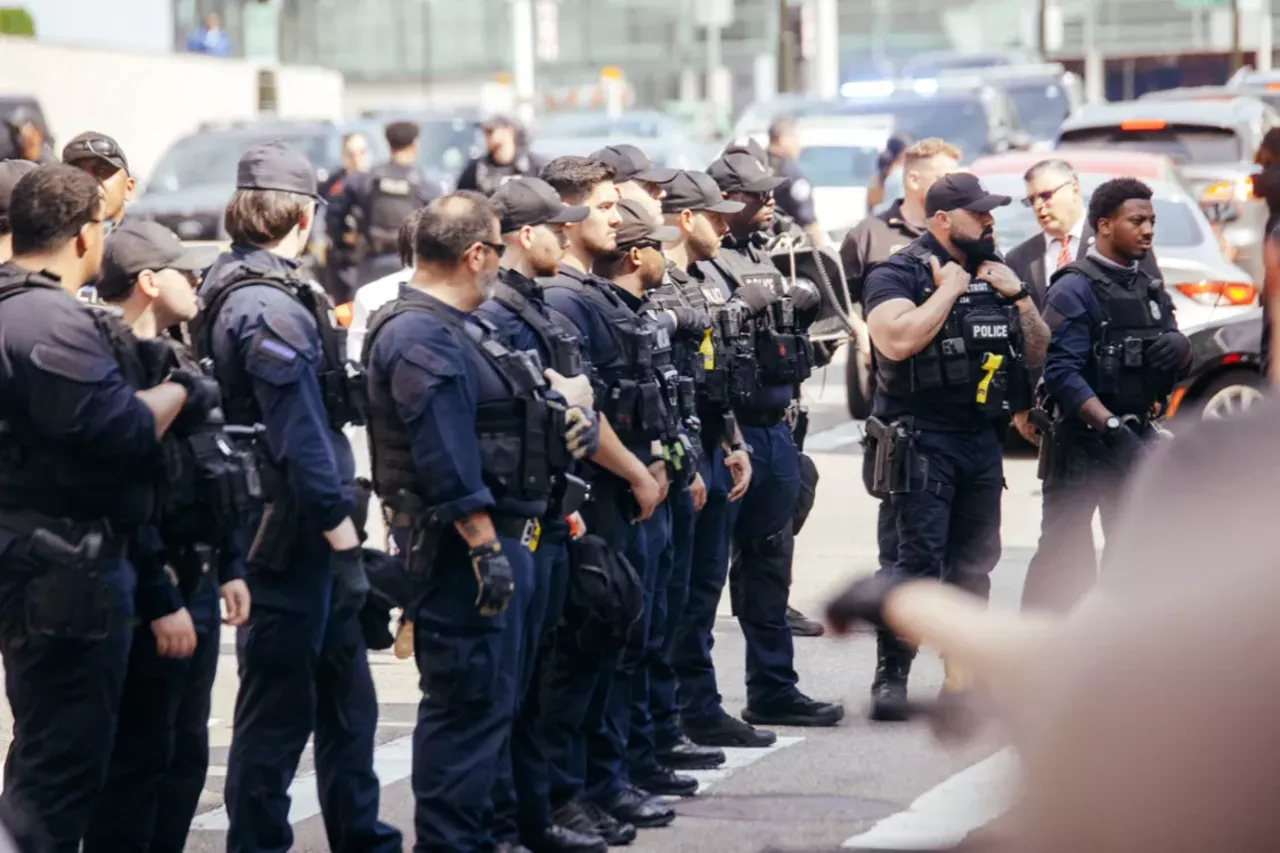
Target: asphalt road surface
(817, 788)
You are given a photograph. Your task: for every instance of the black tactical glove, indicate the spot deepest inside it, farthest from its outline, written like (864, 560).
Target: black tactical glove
(202, 397)
(756, 297)
(350, 583)
(691, 321)
(158, 358)
(805, 298)
(1168, 351)
(864, 601)
(494, 577)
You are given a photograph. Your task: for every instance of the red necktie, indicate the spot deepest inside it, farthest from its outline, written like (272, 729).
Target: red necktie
(1064, 252)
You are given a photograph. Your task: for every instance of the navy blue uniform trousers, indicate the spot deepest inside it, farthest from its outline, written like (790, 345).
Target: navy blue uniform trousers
(64, 694)
(161, 753)
(697, 694)
(668, 617)
(469, 668)
(302, 672)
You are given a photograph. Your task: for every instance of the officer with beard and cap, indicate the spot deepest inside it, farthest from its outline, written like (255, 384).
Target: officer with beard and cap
(637, 178)
(280, 359)
(464, 437)
(11, 171)
(760, 576)
(530, 217)
(506, 156)
(953, 331)
(1114, 355)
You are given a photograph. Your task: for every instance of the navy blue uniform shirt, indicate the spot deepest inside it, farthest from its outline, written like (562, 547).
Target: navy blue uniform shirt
(267, 348)
(514, 331)
(599, 343)
(357, 187)
(1075, 319)
(436, 377)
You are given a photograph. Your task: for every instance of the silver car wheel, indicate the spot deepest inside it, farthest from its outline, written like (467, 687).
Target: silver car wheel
(1230, 401)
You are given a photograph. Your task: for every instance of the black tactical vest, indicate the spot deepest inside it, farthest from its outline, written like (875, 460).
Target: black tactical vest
(489, 177)
(784, 353)
(628, 389)
(558, 343)
(342, 382)
(692, 352)
(521, 438)
(975, 358)
(40, 475)
(1135, 308)
(392, 198)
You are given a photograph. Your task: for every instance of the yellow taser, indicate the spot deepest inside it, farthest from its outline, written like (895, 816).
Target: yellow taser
(990, 366)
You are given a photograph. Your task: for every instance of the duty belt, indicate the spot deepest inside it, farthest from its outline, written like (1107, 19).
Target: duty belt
(527, 530)
(761, 417)
(24, 523)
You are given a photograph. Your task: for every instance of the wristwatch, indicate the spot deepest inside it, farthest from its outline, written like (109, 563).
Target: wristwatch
(1022, 294)
(742, 445)
(1112, 424)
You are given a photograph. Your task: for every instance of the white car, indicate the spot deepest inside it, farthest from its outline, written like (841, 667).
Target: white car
(838, 156)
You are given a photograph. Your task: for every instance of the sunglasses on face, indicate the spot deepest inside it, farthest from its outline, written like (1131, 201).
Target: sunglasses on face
(1045, 196)
(497, 248)
(759, 198)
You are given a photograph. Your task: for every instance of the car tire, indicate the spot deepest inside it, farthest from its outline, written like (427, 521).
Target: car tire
(1229, 393)
(858, 383)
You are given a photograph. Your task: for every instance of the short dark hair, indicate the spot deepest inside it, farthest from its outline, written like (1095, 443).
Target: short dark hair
(404, 240)
(780, 128)
(260, 217)
(1053, 164)
(452, 224)
(1108, 198)
(575, 177)
(50, 205)
(401, 134)
(5, 227)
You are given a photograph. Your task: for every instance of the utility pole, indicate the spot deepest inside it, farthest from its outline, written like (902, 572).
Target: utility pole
(1237, 57)
(1263, 62)
(787, 52)
(523, 59)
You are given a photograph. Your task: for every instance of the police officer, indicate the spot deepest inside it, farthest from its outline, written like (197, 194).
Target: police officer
(636, 267)
(10, 173)
(384, 197)
(694, 206)
(280, 361)
(760, 575)
(951, 326)
(340, 267)
(506, 156)
(530, 216)
(635, 175)
(102, 157)
(1114, 356)
(461, 440)
(870, 242)
(79, 473)
(161, 751)
(589, 781)
(699, 355)
(795, 197)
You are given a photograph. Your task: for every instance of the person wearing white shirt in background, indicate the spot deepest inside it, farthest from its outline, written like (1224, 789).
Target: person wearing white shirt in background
(1053, 194)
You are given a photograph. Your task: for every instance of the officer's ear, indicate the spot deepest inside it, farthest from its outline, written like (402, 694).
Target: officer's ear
(129, 186)
(146, 283)
(308, 217)
(525, 237)
(686, 221)
(634, 256)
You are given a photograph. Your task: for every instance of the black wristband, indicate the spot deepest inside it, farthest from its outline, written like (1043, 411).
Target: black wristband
(1017, 297)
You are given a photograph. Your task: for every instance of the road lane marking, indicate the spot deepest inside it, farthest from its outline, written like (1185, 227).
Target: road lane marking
(944, 815)
(735, 758)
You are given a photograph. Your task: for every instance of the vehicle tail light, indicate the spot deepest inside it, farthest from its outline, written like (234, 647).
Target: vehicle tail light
(1241, 190)
(1143, 124)
(1219, 293)
(343, 314)
(1175, 400)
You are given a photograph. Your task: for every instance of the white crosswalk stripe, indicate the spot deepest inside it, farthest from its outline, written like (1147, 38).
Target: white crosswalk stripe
(942, 816)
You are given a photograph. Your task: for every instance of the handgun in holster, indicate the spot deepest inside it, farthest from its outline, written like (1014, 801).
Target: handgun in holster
(425, 531)
(800, 427)
(891, 444)
(70, 599)
(277, 532)
(1052, 460)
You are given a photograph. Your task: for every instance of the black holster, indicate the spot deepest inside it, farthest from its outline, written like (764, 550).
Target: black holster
(893, 450)
(1055, 446)
(410, 512)
(71, 599)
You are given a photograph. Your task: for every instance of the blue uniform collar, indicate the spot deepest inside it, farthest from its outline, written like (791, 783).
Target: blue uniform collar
(754, 240)
(628, 299)
(412, 293)
(260, 258)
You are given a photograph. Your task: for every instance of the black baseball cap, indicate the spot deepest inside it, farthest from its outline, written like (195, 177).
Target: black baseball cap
(690, 190)
(638, 224)
(93, 145)
(740, 172)
(144, 245)
(276, 165)
(749, 145)
(961, 191)
(533, 201)
(11, 171)
(632, 164)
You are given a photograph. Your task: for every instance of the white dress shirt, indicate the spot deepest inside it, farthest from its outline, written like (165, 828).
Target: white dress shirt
(1053, 245)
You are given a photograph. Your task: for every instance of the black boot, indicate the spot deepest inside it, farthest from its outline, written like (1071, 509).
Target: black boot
(889, 689)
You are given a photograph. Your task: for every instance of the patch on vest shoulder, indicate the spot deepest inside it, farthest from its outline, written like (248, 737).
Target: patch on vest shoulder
(277, 349)
(394, 186)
